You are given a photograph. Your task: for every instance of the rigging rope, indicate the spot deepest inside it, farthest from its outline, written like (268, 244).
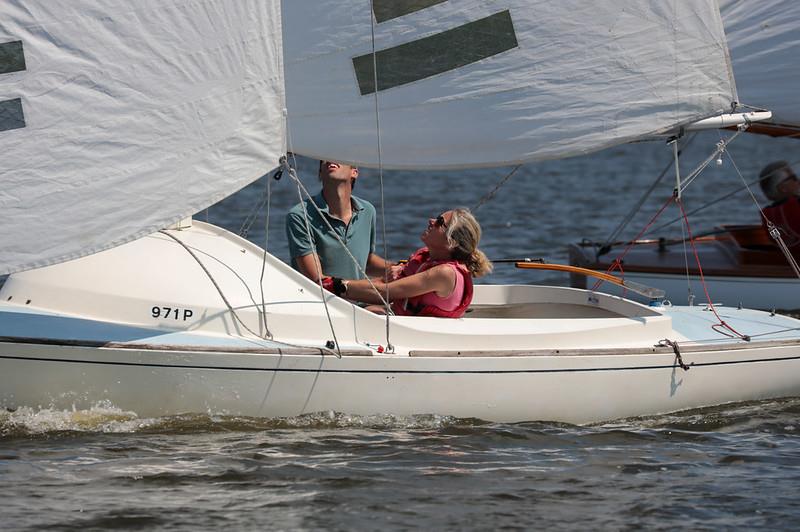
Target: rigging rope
(745, 186)
(293, 175)
(264, 257)
(490, 195)
(225, 299)
(771, 229)
(288, 168)
(264, 200)
(689, 292)
(676, 197)
(722, 322)
(617, 263)
(252, 216)
(704, 206)
(632, 213)
(721, 147)
(389, 347)
(213, 281)
(319, 275)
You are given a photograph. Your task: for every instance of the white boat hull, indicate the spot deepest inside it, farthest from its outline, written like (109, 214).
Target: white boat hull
(575, 388)
(105, 329)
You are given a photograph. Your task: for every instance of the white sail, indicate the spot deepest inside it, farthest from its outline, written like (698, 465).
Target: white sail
(118, 118)
(481, 83)
(764, 42)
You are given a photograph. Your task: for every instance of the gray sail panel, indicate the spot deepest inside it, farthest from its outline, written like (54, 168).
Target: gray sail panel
(388, 9)
(12, 57)
(11, 114)
(436, 54)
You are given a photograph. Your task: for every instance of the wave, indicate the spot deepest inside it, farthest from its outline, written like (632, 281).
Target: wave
(106, 418)
(774, 416)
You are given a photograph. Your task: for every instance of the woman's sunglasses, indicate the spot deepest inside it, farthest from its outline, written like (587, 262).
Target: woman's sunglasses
(440, 222)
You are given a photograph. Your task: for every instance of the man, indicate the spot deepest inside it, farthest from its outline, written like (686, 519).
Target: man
(780, 185)
(353, 220)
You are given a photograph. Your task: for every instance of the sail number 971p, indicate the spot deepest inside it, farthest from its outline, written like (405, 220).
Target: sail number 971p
(171, 313)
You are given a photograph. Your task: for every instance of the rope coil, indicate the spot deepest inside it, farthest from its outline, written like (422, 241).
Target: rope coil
(666, 342)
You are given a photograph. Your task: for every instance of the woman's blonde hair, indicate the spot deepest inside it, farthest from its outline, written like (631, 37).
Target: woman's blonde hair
(463, 237)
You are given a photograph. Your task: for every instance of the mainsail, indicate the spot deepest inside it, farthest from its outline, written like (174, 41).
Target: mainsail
(120, 117)
(765, 46)
(477, 83)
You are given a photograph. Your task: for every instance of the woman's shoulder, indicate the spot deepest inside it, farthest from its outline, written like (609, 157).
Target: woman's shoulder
(447, 269)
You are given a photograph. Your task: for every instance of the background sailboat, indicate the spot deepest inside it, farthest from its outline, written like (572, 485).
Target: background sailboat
(216, 324)
(741, 262)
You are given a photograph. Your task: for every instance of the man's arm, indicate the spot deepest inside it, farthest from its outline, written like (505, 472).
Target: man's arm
(379, 267)
(301, 248)
(310, 266)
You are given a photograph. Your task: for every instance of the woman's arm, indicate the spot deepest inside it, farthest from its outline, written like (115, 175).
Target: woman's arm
(440, 279)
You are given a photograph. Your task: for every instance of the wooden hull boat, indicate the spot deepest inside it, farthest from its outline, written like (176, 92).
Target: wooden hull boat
(740, 263)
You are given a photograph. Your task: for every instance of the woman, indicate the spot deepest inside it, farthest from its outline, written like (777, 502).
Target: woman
(437, 279)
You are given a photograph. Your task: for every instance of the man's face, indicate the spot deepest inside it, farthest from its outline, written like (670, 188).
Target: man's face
(790, 185)
(336, 171)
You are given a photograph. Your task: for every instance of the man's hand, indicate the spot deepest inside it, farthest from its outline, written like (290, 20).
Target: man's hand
(394, 271)
(327, 283)
(334, 285)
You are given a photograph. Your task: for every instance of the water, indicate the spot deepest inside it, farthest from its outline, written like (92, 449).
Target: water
(729, 467)
(722, 468)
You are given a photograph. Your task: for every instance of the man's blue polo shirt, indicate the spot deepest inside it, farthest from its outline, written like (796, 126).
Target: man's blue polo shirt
(358, 235)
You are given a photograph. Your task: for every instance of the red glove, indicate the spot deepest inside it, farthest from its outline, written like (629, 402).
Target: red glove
(335, 285)
(327, 283)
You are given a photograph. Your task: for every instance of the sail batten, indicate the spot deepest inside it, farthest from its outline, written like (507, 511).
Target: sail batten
(129, 116)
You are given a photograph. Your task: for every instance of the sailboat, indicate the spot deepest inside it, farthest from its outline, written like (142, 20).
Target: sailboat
(120, 120)
(738, 263)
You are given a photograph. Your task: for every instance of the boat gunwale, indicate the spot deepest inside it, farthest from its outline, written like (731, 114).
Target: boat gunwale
(288, 350)
(654, 350)
(685, 348)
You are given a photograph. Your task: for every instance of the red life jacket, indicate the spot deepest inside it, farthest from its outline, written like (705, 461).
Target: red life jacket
(414, 306)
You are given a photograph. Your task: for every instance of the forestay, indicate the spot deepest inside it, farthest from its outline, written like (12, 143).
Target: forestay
(118, 118)
(474, 83)
(765, 47)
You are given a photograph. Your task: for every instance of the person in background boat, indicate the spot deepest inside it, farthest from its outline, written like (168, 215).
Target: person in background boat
(437, 279)
(352, 220)
(781, 186)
